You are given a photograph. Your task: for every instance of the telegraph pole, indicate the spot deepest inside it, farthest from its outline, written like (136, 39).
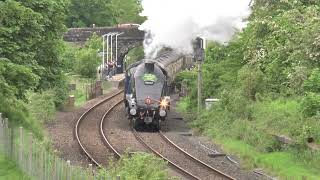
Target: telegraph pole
(199, 86)
(199, 47)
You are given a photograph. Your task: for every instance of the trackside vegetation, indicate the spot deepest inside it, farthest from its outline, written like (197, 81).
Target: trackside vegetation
(36, 66)
(267, 80)
(9, 170)
(141, 166)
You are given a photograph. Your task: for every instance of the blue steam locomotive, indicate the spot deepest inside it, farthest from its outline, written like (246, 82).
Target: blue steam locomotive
(147, 87)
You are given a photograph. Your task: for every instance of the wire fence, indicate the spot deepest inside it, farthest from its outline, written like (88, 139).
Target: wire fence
(35, 161)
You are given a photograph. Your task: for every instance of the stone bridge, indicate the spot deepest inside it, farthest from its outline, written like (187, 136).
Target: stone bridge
(132, 37)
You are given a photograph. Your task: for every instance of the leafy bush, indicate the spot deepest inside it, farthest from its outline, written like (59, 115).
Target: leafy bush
(87, 59)
(134, 55)
(41, 105)
(266, 79)
(69, 57)
(312, 84)
(140, 166)
(278, 116)
(87, 63)
(311, 104)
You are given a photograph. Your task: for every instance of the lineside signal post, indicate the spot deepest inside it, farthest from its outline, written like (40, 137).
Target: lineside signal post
(199, 56)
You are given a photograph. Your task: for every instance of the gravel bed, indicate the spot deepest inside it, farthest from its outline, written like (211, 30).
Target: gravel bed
(61, 132)
(89, 132)
(177, 157)
(118, 132)
(200, 148)
(176, 130)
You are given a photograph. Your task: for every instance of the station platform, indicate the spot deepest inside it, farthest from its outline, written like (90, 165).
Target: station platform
(117, 80)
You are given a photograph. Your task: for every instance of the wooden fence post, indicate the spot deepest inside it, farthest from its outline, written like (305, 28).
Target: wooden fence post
(118, 177)
(30, 154)
(50, 166)
(41, 164)
(35, 161)
(11, 135)
(57, 169)
(21, 146)
(45, 164)
(2, 143)
(54, 168)
(5, 137)
(90, 172)
(68, 170)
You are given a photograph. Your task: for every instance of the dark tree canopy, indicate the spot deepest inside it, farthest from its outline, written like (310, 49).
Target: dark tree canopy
(30, 47)
(84, 13)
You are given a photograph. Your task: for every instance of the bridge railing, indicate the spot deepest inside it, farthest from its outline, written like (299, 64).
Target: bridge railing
(36, 161)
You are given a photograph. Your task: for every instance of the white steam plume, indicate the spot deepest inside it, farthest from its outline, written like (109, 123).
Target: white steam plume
(175, 23)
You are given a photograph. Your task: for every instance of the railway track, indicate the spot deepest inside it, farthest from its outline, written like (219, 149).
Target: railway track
(92, 124)
(177, 157)
(87, 130)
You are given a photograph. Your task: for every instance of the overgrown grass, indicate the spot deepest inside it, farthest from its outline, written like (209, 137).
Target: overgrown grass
(283, 164)
(247, 129)
(80, 92)
(140, 166)
(9, 170)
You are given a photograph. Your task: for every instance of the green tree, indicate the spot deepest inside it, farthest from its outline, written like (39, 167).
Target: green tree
(127, 11)
(30, 48)
(312, 84)
(87, 59)
(84, 13)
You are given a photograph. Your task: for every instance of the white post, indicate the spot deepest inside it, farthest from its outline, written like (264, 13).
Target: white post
(103, 52)
(108, 48)
(103, 44)
(117, 48)
(112, 60)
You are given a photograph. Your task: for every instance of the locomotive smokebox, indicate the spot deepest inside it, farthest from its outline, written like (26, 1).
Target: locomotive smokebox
(149, 67)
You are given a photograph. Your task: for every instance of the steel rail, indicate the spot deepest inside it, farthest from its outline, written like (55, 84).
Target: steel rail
(164, 137)
(139, 138)
(106, 140)
(80, 120)
(118, 154)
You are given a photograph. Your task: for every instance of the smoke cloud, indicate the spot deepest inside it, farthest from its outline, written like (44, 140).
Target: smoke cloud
(175, 23)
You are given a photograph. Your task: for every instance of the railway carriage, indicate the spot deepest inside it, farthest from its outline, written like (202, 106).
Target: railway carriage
(147, 87)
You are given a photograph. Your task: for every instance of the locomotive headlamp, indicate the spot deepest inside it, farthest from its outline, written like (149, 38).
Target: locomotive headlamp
(164, 103)
(148, 101)
(162, 113)
(133, 112)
